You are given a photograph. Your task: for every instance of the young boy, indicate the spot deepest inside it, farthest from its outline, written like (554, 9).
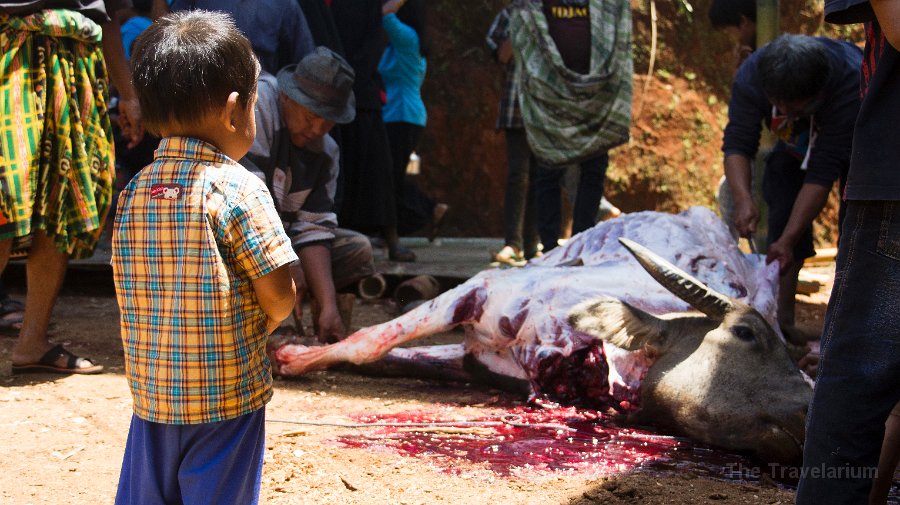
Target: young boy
(201, 266)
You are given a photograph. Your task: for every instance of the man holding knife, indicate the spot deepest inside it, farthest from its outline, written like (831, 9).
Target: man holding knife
(806, 91)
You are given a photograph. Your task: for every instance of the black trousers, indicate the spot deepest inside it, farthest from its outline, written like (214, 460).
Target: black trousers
(414, 208)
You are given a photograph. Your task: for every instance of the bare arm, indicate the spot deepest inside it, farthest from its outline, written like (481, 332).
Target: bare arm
(276, 292)
(504, 52)
(391, 6)
(316, 263)
(160, 9)
(737, 172)
(809, 203)
(120, 74)
(888, 14)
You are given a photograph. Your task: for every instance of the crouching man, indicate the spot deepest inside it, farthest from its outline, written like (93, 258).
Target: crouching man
(806, 91)
(298, 160)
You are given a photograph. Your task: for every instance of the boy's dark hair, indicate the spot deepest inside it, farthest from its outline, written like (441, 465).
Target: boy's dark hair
(413, 15)
(723, 13)
(187, 63)
(793, 67)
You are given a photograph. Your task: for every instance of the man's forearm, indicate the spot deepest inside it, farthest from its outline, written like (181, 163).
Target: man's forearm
(160, 8)
(737, 172)
(810, 201)
(315, 260)
(114, 55)
(888, 14)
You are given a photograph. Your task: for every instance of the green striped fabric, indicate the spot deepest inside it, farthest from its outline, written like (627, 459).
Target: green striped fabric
(570, 117)
(56, 145)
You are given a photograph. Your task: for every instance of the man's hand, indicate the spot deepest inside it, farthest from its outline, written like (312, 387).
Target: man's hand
(331, 328)
(809, 364)
(130, 121)
(391, 7)
(746, 217)
(782, 252)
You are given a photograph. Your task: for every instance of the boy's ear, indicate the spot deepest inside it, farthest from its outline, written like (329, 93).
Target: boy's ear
(232, 106)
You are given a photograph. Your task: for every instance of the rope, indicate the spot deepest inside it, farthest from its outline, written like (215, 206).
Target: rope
(508, 420)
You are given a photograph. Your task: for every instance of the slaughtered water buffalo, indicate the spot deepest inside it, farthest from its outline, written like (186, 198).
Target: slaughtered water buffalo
(689, 347)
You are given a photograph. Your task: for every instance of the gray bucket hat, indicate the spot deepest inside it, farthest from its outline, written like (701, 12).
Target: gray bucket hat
(323, 83)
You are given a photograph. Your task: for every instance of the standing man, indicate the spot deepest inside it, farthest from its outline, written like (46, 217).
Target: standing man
(520, 233)
(859, 373)
(277, 29)
(805, 90)
(574, 71)
(738, 17)
(56, 153)
(298, 160)
(366, 196)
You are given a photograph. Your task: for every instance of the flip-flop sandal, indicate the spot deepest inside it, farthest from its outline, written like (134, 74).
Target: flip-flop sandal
(508, 256)
(47, 364)
(9, 306)
(12, 313)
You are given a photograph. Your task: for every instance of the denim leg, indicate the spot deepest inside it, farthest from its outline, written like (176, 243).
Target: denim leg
(859, 373)
(548, 204)
(590, 191)
(519, 197)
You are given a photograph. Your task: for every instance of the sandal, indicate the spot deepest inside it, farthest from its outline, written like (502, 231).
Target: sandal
(509, 256)
(12, 313)
(48, 364)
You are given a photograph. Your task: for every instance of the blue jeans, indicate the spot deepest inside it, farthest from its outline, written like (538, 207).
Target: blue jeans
(859, 372)
(548, 201)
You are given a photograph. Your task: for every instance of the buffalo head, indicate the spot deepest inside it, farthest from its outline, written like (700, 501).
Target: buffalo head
(724, 377)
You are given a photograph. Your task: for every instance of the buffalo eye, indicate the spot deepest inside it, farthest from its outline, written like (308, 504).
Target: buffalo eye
(743, 333)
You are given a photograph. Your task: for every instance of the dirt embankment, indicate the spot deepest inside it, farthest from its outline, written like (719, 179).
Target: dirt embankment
(673, 160)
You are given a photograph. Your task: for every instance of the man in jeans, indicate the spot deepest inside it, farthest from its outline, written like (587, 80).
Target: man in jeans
(859, 373)
(520, 233)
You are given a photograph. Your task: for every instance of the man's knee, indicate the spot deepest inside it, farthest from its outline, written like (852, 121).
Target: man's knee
(351, 258)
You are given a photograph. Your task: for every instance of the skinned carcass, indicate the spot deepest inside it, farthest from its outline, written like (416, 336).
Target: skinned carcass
(699, 357)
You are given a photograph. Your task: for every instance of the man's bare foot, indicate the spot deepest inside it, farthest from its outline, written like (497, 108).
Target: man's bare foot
(437, 219)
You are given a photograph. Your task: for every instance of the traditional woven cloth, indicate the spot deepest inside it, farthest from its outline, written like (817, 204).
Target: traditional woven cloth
(571, 117)
(56, 153)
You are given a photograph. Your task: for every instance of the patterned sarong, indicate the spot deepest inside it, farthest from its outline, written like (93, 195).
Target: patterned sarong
(570, 117)
(56, 152)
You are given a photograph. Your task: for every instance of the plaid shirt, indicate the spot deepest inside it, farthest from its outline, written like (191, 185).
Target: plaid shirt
(192, 230)
(509, 116)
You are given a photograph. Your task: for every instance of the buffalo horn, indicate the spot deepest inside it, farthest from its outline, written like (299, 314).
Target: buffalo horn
(680, 283)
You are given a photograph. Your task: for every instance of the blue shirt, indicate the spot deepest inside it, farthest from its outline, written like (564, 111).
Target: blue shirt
(131, 29)
(402, 70)
(277, 29)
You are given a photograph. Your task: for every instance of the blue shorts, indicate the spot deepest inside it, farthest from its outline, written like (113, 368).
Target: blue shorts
(214, 463)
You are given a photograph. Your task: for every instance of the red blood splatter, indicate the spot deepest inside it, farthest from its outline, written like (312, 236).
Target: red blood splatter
(566, 440)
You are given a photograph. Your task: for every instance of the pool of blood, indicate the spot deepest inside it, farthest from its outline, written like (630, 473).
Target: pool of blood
(561, 440)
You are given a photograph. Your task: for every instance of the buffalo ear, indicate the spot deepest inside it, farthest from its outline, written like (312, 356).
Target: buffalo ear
(618, 323)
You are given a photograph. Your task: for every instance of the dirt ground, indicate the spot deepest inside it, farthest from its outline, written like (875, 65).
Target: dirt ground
(63, 437)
